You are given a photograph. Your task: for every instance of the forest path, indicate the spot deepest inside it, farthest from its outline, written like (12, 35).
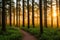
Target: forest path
(27, 36)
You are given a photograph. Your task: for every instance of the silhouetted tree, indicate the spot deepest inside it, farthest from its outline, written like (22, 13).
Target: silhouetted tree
(23, 13)
(45, 13)
(0, 13)
(28, 12)
(51, 15)
(57, 11)
(3, 16)
(14, 15)
(41, 26)
(17, 11)
(33, 13)
(10, 13)
(59, 6)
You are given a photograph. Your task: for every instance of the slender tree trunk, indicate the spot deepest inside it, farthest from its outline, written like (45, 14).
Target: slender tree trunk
(33, 13)
(10, 14)
(3, 16)
(17, 13)
(23, 13)
(28, 13)
(45, 13)
(0, 13)
(14, 16)
(51, 15)
(59, 6)
(57, 12)
(41, 26)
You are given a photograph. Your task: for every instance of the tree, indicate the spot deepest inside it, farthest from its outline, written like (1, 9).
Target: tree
(59, 6)
(28, 12)
(3, 16)
(0, 13)
(57, 11)
(33, 13)
(40, 7)
(17, 12)
(10, 13)
(23, 13)
(14, 15)
(51, 15)
(45, 13)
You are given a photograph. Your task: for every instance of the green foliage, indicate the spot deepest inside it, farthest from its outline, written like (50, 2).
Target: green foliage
(48, 33)
(11, 34)
(51, 34)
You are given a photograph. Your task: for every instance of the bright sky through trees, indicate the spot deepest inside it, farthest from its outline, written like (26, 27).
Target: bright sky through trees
(49, 19)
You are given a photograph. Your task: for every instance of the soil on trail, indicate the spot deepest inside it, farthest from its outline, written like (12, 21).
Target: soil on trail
(27, 36)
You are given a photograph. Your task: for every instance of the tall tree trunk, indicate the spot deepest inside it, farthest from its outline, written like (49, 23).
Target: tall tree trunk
(0, 12)
(51, 15)
(45, 13)
(23, 13)
(57, 12)
(17, 13)
(14, 16)
(3, 16)
(10, 14)
(41, 26)
(28, 13)
(59, 6)
(33, 13)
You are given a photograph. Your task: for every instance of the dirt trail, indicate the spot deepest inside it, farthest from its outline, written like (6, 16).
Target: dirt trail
(27, 36)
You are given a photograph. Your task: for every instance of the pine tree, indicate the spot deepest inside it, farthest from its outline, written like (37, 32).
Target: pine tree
(51, 15)
(3, 16)
(57, 11)
(33, 13)
(45, 13)
(40, 7)
(28, 12)
(23, 13)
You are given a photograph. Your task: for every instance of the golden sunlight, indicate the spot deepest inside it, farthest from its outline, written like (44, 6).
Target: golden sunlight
(54, 11)
(54, 14)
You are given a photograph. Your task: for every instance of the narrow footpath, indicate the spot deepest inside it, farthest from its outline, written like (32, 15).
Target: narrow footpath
(27, 36)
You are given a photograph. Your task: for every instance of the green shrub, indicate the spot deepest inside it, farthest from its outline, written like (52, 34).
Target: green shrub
(48, 33)
(11, 34)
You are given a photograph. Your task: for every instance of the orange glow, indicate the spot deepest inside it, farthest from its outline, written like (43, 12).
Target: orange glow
(54, 14)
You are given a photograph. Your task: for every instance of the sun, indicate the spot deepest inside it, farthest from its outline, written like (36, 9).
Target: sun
(54, 14)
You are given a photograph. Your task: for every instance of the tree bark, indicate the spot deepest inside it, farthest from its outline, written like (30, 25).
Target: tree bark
(3, 16)
(40, 10)
(59, 6)
(51, 15)
(45, 13)
(33, 13)
(57, 12)
(10, 14)
(28, 13)
(17, 12)
(23, 13)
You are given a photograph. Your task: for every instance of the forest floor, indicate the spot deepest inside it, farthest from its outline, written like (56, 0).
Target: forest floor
(27, 36)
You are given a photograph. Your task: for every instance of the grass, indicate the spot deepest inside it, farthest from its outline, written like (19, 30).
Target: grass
(48, 33)
(10, 34)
